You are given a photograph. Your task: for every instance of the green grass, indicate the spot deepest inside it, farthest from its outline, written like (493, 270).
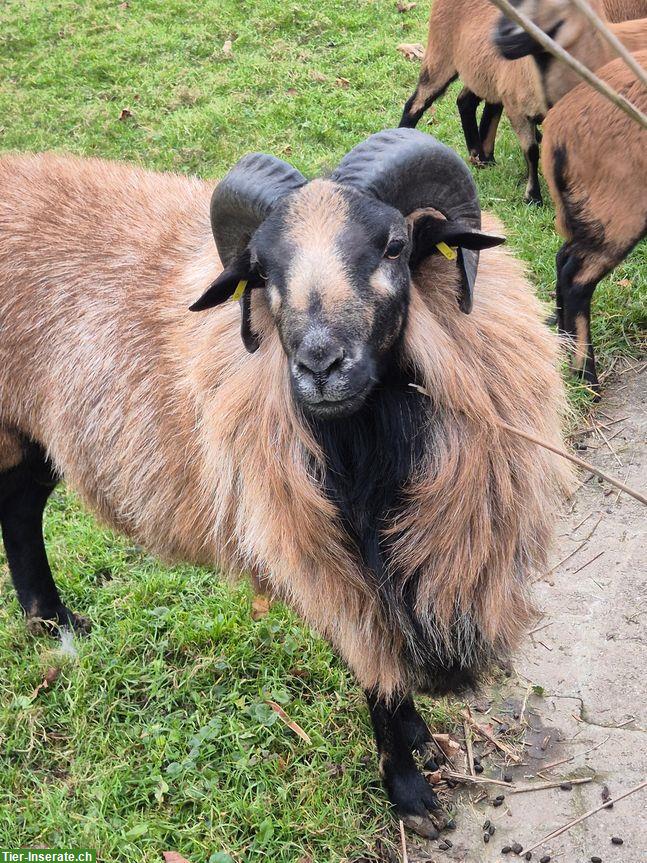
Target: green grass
(158, 736)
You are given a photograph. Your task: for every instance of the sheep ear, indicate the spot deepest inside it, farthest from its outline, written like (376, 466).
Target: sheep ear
(431, 235)
(226, 284)
(236, 282)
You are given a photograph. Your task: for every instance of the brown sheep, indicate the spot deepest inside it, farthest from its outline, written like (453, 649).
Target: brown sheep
(594, 160)
(459, 45)
(402, 527)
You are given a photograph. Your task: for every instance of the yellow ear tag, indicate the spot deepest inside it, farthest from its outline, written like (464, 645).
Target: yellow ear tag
(240, 289)
(450, 253)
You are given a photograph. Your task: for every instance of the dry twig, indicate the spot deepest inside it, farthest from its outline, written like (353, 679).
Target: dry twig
(545, 444)
(605, 805)
(405, 856)
(468, 747)
(579, 569)
(542, 786)
(476, 780)
(507, 750)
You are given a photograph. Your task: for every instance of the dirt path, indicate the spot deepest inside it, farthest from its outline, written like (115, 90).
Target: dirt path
(591, 661)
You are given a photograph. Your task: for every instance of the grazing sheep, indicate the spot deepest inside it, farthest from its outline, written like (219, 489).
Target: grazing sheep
(594, 159)
(403, 527)
(460, 46)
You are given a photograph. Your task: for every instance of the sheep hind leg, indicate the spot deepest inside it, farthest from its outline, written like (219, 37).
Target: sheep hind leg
(487, 130)
(24, 490)
(574, 296)
(526, 131)
(431, 86)
(410, 794)
(467, 103)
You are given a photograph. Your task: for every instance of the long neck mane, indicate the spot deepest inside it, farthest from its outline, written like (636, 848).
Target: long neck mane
(372, 461)
(370, 457)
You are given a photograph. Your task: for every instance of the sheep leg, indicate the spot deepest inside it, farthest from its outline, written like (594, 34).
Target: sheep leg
(24, 491)
(487, 130)
(526, 131)
(416, 732)
(411, 795)
(467, 104)
(574, 295)
(432, 83)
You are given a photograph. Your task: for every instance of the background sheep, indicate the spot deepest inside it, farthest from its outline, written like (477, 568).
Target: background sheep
(459, 45)
(176, 435)
(594, 161)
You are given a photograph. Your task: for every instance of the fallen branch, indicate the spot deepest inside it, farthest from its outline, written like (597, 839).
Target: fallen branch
(542, 786)
(606, 805)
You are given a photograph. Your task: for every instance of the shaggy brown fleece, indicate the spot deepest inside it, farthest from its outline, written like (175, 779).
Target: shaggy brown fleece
(172, 433)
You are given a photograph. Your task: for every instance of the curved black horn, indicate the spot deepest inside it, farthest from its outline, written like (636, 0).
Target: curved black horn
(410, 170)
(244, 198)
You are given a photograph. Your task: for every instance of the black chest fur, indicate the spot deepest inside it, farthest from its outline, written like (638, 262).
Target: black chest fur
(371, 458)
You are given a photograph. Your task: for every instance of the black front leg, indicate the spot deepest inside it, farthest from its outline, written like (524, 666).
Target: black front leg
(398, 729)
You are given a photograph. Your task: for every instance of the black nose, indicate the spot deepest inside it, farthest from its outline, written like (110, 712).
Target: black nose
(319, 357)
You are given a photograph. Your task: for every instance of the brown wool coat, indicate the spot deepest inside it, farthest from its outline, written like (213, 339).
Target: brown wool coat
(606, 184)
(174, 435)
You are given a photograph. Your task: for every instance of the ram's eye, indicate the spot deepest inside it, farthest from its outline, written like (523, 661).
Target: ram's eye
(394, 249)
(261, 272)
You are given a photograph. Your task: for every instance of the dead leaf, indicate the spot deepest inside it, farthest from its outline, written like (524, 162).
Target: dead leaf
(173, 857)
(434, 777)
(344, 83)
(226, 48)
(49, 677)
(405, 7)
(291, 91)
(124, 5)
(290, 724)
(260, 606)
(125, 114)
(625, 283)
(412, 50)
(449, 747)
(318, 76)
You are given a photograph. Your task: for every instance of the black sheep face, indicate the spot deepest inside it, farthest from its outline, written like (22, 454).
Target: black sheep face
(335, 265)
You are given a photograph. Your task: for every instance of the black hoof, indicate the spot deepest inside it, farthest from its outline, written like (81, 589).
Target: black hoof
(477, 159)
(533, 200)
(416, 805)
(51, 623)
